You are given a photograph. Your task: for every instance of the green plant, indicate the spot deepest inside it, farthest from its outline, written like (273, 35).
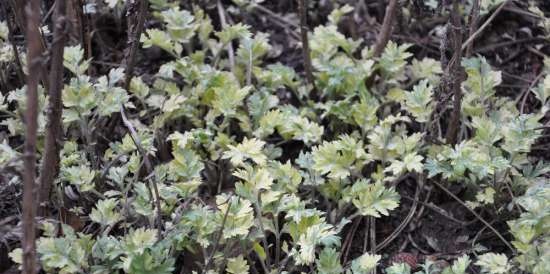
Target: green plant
(232, 193)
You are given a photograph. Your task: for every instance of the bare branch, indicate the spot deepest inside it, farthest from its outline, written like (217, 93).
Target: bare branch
(454, 73)
(50, 162)
(134, 32)
(34, 63)
(302, 10)
(386, 30)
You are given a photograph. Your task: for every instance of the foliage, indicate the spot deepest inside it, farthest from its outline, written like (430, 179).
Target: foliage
(245, 177)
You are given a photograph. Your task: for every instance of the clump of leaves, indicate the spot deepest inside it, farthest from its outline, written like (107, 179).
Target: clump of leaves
(244, 179)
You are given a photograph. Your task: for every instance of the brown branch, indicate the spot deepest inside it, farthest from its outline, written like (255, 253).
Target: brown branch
(473, 17)
(454, 73)
(11, 30)
(135, 29)
(484, 26)
(54, 128)
(302, 11)
(34, 63)
(386, 30)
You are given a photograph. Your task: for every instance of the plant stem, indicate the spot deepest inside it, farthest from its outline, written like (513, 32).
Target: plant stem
(302, 11)
(386, 30)
(54, 128)
(34, 63)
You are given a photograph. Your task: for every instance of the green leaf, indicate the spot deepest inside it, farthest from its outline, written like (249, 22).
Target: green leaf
(365, 263)
(237, 265)
(180, 24)
(259, 250)
(73, 60)
(232, 32)
(240, 215)
(336, 15)
(493, 263)
(329, 262)
(339, 158)
(398, 268)
(419, 101)
(249, 149)
(104, 212)
(459, 266)
(373, 199)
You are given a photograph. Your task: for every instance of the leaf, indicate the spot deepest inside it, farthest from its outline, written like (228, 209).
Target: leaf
(321, 233)
(493, 263)
(229, 98)
(113, 3)
(419, 101)
(398, 268)
(393, 59)
(4, 30)
(161, 39)
(337, 13)
(240, 215)
(104, 212)
(248, 149)
(180, 24)
(259, 250)
(73, 60)
(237, 265)
(328, 262)
(339, 158)
(232, 32)
(373, 199)
(486, 196)
(481, 79)
(459, 266)
(365, 263)
(542, 91)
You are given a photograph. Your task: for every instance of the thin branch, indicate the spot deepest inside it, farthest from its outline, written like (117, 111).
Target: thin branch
(484, 26)
(219, 235)
(134, 32)
(386, 30)
(407, 219)
(476, 215)
(258, 207)
(54, 128)
(34, 63)
(302, 11)
(149, 167)
(474, 15)
(454, 74)
(372, 238)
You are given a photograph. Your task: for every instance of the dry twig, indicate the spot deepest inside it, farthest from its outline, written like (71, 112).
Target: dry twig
(386, 30)
(302, 10)
(54, 128)
(34, 63)
(476, 215)
(134, 32)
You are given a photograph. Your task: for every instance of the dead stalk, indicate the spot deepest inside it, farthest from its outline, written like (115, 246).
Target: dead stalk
(386, 30)
(302, 10)
(50, 162)
(454, 73)
(474, 15)
(34, 63)
(135, 28)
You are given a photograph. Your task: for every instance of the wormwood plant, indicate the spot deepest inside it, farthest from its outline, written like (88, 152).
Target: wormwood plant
(233, 195)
